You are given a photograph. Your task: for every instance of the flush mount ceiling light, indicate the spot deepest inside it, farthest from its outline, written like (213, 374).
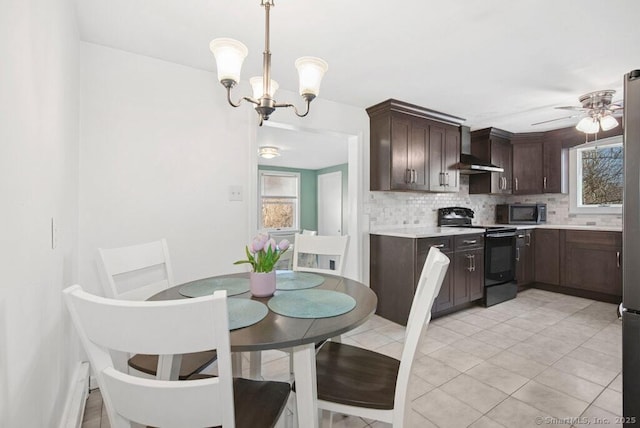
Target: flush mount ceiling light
(230, 54)
(268, 152)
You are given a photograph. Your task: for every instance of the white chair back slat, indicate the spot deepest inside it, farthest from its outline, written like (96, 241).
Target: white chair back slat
(136, 327)
(197, 405)
(431, 279)
(320, 246)
(143, 262)
(107, 325)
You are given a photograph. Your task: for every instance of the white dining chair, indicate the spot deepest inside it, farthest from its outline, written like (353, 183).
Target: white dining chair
(364, 383)
(107, 327)
(320, 247)
(137, 272)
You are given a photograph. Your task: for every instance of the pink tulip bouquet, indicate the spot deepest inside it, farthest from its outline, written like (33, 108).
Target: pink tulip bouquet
(263, 253)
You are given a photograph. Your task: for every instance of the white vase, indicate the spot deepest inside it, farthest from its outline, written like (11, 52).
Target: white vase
(263, 284)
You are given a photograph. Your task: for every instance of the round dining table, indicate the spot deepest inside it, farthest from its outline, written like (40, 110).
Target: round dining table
(276, 331)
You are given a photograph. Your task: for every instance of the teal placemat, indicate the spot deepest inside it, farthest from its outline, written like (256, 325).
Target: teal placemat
(204, 287)
(311, 303)
(245, 312)
(290, 280)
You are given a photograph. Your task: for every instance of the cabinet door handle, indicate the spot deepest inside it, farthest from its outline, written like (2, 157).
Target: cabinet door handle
(446, 181)
(415, 176)
(407, 176)
(528, 242)
(516, 182)
(473, 259)
(521, 236)
(544, 183)
(517, 254)
(470, 259)
(438, 246)
(617, 258)
(470, 241)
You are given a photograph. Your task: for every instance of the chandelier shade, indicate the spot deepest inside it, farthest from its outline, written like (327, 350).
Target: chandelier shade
(230, 55)
(310, 73)
(258, 87)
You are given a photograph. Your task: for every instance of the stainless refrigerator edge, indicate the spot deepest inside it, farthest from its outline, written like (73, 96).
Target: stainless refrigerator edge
(631, 252)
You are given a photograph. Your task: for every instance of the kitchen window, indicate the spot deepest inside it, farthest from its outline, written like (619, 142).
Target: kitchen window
(279, 200)
(597, 177)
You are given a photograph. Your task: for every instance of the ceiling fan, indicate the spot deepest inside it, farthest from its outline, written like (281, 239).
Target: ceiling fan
(597, 112)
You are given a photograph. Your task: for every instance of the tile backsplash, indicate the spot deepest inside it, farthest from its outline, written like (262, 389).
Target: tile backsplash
(404, 209)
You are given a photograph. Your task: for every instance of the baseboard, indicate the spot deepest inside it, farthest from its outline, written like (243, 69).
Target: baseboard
(76, 397)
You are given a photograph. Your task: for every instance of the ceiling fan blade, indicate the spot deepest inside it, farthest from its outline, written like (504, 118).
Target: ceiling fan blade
(554, 120)
(576, 108)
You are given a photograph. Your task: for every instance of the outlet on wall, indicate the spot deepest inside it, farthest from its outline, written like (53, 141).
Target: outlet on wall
(235, 193)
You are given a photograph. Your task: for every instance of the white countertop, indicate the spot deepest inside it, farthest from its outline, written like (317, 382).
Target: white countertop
(434, 232)
(426, 231)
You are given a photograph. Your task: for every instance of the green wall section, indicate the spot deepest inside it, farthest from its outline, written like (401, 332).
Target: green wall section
(309, 191)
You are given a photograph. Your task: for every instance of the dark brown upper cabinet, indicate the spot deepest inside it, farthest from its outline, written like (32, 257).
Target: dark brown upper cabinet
(413, 148)
(492, 145)
(538, 164)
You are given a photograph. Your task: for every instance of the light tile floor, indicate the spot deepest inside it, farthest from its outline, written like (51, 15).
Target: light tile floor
(540, 359)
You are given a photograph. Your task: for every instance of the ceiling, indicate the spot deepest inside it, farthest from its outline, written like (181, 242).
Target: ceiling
(303, 149)
(499, 63)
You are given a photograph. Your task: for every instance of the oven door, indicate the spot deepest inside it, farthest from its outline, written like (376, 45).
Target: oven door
(499, 258)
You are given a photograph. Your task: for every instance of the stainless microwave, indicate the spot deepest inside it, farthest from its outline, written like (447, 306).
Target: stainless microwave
(521, 213)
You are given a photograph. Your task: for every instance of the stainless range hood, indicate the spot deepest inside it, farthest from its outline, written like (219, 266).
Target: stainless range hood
(470, 164)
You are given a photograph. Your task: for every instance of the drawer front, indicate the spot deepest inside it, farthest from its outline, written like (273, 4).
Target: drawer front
(594, 237)
(443, 243)
(468, 242)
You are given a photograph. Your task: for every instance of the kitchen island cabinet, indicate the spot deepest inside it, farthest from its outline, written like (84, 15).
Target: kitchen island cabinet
(413, 148)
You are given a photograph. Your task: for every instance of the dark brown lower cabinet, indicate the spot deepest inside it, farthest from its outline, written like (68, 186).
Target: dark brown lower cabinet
(579, 262)
(468, 269)
(592, 261)
(547, 256)
(525, 267)
(396, 264)
(445, 298)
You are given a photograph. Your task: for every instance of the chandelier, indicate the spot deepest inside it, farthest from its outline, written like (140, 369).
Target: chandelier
(230, 54)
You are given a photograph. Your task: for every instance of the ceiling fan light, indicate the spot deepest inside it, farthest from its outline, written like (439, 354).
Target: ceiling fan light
(608, 122)
(230, 55)
(268, 152)
(588, 125)
(258, 90)
(310, 72)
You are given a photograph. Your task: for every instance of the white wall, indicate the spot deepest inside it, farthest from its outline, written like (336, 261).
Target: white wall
(38, 182)
(159, 148)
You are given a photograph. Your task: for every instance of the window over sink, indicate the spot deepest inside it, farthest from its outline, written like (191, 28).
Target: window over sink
(596, 177)
(279, 200)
